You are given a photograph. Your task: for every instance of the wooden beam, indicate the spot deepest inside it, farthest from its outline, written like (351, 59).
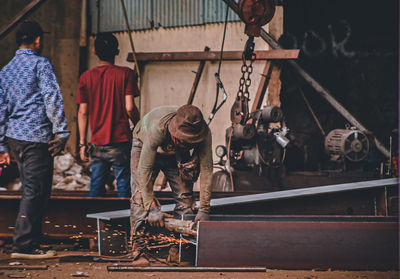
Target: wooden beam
(197, 78)
(274, 88)
(212, 55)
(19, 17)
(262, 87)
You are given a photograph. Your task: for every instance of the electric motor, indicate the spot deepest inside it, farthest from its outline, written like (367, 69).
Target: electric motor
(272, 114)
(351, 144)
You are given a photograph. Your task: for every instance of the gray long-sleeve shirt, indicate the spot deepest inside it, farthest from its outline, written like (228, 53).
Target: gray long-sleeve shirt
(152, 131)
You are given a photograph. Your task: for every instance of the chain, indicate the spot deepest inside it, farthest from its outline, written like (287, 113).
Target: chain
(246, 69)
(241, 105)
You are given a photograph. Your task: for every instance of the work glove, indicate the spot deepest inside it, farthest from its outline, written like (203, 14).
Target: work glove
(201, 215)
(57, 145)
(155, 218)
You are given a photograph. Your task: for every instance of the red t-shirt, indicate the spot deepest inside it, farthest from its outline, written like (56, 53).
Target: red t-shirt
(104, 89)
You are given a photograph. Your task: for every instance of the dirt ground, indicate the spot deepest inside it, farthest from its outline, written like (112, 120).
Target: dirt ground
(81, 265)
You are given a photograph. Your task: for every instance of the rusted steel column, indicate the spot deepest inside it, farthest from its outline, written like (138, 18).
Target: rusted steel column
(298, 245)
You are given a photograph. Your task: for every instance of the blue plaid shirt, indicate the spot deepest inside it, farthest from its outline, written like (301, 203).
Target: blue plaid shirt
(31, 105)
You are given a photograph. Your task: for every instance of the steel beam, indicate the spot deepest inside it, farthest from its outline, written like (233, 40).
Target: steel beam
(131, 268)
(303, 192)
(298, 244)
(263, 197)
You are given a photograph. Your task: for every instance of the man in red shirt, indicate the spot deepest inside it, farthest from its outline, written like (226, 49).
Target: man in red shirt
(106, 98)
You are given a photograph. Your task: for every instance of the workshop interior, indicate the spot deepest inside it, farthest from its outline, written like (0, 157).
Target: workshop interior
(301, 98)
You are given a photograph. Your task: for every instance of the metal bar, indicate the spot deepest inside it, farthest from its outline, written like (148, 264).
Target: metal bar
(131, 268)
(298, 245)
(19, 17)
(323, 92)
(262, 87)
(212, 55)
(296, 193)
(130, 38)
(197, 78)
(24, 267)
(297, 218)
(265, 196)
(312, 112)
(98, 236)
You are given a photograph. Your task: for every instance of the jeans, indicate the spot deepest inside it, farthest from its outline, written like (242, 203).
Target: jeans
(35, 166)
(102, 157)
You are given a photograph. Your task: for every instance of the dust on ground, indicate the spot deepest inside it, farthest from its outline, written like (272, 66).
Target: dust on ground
(81, 265)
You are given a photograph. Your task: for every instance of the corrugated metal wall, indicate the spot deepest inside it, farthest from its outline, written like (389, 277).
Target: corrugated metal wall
(107, 15)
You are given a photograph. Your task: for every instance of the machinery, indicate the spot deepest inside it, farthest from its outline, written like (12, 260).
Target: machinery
(261, 142)
(349, 144)
(257, 138)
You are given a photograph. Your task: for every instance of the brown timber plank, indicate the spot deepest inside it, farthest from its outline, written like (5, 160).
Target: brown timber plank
(262, 87)
(212, 55)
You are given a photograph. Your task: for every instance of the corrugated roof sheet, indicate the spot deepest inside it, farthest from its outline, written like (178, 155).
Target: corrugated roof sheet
(107, 15)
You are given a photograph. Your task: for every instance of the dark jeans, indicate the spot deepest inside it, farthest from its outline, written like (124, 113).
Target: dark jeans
(35, 166)
(102, 157)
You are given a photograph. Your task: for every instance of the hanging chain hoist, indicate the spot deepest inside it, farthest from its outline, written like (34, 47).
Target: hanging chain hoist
(255, 13)
(240, 108)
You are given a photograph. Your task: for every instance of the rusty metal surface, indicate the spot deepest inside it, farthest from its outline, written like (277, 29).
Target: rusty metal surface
(298, 245)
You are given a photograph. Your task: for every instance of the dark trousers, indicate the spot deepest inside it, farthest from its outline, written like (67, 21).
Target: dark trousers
(35, 166)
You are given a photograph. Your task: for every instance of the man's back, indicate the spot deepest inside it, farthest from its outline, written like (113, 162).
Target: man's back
(104, 89)
(33, 98)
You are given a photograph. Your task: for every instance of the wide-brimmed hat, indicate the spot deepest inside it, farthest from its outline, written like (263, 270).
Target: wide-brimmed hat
(188, 125)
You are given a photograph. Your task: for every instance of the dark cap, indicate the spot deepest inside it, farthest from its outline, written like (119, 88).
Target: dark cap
(28, 31)
(188, 125)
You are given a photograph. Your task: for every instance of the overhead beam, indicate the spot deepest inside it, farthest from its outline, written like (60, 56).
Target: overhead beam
(323, 92)
(19, 17)
(211, 55)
